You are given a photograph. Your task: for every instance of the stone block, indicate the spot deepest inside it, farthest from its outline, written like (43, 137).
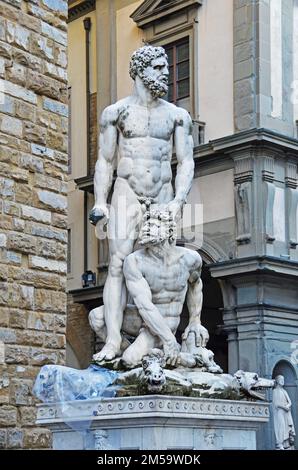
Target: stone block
(55, 107)
(3, 293)
(6, 187)
(13, 257)
(244, 69)
(56, 141)
(43, 85)
(244, 51)
(18, 224)
(4, 317)
(59, 6)
(59, 221)
(37, 439)
(30, 338)
(25, 111)
(55, 71)
(41, 321)
(245, 122)
(17, 318)
(40, 357)
(17, 91)
(21, 296)
(15, 438)
(34, 133)
(17, 73)
(38, 262)
(52, 200)
(28, 415)
(20, 392)
(29, 60)
(7, 335)
(24, 194)
(60, 323)
(244, 88)
(54, 341)
(14, 3)
(3, 240)
(60, 57)
(42, 46)
(17, 35)
(31, 163)
(7, 105)
(8, 416)
(22, 242)
(3, 438)
(33, 213)
(5, 50)
(54, 33)
(17, 354)
(244, 106)
(42, 151)
(11, 125)
(5, 222)
(50, 301)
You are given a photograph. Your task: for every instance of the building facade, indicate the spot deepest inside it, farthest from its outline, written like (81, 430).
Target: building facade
(33, 208)
(234, 67)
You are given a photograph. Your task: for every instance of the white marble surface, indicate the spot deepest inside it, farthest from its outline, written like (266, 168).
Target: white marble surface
(143, 422)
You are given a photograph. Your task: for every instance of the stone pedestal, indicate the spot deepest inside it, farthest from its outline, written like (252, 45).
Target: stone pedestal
(155, 422)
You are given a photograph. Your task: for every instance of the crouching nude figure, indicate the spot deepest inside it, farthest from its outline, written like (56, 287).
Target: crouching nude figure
(159, 277)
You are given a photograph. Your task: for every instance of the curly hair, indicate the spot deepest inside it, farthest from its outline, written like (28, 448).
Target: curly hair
(143, 57)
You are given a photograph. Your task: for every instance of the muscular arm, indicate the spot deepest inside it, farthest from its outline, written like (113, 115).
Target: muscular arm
(139, 289)
(107, 146)
(195, 301)
(195, 293)
(184, 153)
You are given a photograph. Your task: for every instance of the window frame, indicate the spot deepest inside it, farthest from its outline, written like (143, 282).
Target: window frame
(174, 45)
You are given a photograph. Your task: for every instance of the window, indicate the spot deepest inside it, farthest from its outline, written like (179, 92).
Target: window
(179, 71)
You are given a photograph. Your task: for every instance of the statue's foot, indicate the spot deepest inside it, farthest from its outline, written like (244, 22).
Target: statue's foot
(108, 353)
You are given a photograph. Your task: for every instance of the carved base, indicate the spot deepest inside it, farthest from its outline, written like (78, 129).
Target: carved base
(154, 422)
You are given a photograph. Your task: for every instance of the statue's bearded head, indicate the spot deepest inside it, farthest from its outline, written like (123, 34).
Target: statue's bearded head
(158, 226)
(151, 65)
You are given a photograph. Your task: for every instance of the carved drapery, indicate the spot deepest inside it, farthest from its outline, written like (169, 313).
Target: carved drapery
(243, 197)
(269, 196)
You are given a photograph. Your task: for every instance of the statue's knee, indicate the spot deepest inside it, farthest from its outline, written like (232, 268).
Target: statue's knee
(96, 318)
(129, 358)
(116, 266)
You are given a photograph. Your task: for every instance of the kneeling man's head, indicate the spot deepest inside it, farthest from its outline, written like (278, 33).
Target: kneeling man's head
(157, 227)
(151, 65)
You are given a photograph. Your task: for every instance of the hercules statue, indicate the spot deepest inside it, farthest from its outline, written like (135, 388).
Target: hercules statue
(143, 129)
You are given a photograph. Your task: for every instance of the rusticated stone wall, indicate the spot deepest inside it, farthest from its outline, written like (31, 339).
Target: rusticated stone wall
(33, 169)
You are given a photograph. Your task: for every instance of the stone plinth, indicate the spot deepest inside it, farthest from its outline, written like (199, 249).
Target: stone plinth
(156, 422)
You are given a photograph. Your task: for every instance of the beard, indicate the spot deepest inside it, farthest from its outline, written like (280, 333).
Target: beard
(157, 88)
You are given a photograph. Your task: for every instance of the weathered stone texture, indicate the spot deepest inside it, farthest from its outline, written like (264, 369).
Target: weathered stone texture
(33, 187)
(244, 66)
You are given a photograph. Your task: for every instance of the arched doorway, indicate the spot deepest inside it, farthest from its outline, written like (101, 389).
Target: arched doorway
(212, 318)
(286, 369)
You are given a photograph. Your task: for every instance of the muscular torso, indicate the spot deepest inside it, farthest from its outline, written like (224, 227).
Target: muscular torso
(145, 143)
(168, 282)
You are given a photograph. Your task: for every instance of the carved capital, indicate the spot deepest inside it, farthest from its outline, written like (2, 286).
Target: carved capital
(291, 175)
(268, 169)
(243, 168)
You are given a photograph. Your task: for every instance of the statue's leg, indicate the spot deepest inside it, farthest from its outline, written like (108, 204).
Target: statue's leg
(143, 344)
(122, 232)
(97, 322)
